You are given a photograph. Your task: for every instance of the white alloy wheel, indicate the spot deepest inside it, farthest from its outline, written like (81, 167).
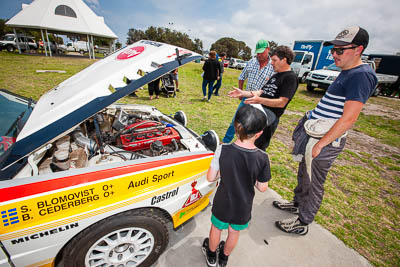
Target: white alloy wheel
(124, 247)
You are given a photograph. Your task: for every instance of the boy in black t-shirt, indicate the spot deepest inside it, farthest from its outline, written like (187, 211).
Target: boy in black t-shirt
(241, 166)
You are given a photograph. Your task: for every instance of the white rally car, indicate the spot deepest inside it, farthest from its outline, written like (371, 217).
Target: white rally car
(87, 182)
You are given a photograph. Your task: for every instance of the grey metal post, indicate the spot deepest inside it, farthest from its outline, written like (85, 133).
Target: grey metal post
(94, 55)
(88, 46)
(16, 38)
(45, 48)
(48, 43)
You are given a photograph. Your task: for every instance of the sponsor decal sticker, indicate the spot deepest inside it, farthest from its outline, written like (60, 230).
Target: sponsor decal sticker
(165, 196)
(194, 196)
(9, 217)
(60, 204)
(130, 52)
(44, 233)
(181, 52)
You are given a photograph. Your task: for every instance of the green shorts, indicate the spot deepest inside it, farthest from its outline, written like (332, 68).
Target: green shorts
(223, 225)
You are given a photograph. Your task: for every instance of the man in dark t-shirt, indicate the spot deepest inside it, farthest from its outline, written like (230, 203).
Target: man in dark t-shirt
(276, 93)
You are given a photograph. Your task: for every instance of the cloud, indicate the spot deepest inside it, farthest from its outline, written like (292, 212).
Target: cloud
(289, 20)
(248, 21)
(94, 4)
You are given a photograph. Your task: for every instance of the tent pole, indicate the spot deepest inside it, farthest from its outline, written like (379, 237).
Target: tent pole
(48, 43)
(45, 48)
(88, 46)
(94, 55)
(16, 38)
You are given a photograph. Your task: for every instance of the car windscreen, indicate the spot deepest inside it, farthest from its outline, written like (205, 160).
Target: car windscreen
(9, 38)
(298, 56)
(14, 112)
(333, 67)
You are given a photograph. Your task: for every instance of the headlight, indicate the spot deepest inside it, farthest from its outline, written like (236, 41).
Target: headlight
(331, 78)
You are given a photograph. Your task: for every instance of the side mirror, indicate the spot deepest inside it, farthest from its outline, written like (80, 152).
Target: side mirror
(210, 139)
(180, 117)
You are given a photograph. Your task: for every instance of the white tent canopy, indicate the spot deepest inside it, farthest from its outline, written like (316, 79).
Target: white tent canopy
(62, 16)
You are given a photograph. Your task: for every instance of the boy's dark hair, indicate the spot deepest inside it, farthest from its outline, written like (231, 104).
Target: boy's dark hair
(249, 121)
(282, 52)
(222, 54)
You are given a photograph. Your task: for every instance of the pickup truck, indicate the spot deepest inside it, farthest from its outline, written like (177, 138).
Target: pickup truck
(324, 77)
(10, 43)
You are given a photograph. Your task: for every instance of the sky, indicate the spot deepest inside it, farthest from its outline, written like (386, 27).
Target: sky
(250, 20)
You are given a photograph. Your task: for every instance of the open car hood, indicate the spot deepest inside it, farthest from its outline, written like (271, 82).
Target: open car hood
(93, 89)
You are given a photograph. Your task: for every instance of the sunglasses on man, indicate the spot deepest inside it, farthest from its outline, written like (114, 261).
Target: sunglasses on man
(340, 50)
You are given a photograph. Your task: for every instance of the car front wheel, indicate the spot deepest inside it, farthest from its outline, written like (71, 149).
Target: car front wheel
(133, 238)
(310, 88)
(303, 78)
(10, 48)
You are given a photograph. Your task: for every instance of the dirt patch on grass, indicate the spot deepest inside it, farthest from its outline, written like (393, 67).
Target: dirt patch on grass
(379, 110)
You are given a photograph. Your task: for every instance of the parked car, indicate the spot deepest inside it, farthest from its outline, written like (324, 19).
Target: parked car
(324, 77)
(85, 181)
(25, 42)
(237, 63)
(55, 48)
(226, 63)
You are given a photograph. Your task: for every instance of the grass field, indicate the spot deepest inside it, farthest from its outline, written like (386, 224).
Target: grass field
(362, 193)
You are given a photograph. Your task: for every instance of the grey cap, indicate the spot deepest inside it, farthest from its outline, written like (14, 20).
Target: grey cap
(351, 35)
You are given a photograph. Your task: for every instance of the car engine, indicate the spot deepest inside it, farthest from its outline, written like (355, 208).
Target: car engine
(116, 134)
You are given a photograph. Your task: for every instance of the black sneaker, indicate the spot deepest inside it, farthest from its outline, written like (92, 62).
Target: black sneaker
(211, 258)
(291, 207)
(292, 226)
(133, 95)
(222, 258)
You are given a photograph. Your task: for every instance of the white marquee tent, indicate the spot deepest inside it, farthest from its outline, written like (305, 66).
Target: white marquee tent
(64, 17)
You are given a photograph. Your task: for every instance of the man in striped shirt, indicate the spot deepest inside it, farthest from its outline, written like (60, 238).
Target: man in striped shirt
(342, 102)
(257, 72)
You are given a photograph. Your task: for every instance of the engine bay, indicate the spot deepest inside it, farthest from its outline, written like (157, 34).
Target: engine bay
(116, 134)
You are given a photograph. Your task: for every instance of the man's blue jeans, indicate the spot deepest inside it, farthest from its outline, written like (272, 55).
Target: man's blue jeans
(230, 133)
(217, 85)
(210, 84)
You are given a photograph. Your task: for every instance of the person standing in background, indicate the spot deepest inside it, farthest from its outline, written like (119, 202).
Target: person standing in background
(218, 84)
(257, 72)
(212, 72)
(276, 94)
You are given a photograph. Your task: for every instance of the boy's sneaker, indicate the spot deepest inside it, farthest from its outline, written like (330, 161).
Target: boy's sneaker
(291, 207)
(211, 257)
(293, 226)
(222, 258)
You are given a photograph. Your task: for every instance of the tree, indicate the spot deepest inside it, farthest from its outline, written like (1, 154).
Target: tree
(272, 45)
(165, 35)
(118, 45)
(198, 46)
(4, 28)
(232, 48)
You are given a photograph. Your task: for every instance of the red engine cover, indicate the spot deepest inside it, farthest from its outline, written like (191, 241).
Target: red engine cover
(143, 140)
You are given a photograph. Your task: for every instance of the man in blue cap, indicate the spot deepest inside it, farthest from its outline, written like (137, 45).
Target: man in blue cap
(257, 72)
